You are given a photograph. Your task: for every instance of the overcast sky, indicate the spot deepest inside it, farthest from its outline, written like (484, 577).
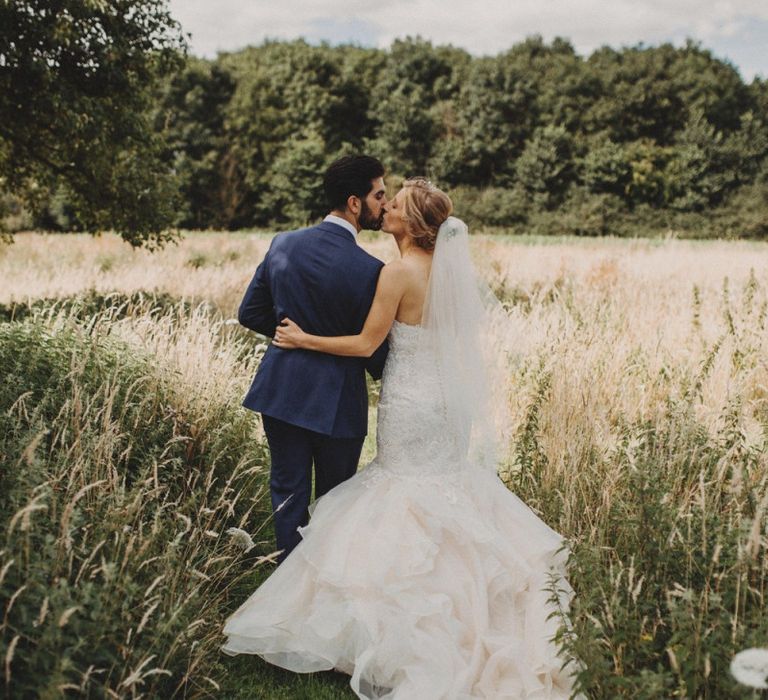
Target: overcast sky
(733, 29)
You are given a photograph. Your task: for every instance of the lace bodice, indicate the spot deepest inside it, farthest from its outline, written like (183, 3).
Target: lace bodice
(412, 435)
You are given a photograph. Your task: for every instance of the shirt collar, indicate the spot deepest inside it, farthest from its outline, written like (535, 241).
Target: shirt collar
(333, 219)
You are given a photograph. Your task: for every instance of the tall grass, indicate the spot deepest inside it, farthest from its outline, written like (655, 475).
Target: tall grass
(118, 484)
(638, 390)
(211, 268)
(641, 435)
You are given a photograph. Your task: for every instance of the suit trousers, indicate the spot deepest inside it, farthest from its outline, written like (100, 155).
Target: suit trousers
(293, 451)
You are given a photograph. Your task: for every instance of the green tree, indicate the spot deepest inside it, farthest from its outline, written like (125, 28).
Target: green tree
(76, 80)
(648, 162)
(496, 114)
(637, 99)
(545, 168)
(565, 86)
(410, 102)
(287, 93)
(605, 167)
(192, 111)
(295, 194)
(700, 171)
(650, 92)
(758, 95)
(503, 100)
(708, 165)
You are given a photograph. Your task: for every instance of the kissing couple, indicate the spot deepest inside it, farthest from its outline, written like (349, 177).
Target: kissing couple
(421, 576)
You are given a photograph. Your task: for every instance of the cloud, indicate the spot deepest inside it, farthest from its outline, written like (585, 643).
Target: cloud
(481, 27)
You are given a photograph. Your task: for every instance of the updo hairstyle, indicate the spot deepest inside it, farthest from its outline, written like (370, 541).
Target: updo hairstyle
(425, 208)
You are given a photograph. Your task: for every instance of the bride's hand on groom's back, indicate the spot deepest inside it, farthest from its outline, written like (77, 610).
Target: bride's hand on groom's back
(288, 335)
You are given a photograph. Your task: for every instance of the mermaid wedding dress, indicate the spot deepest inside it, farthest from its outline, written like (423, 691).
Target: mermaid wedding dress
(422, 576)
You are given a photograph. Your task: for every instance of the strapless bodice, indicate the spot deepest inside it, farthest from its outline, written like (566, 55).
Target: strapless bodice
(412, 434)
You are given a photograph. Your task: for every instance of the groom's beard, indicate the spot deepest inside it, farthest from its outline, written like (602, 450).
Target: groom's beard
(368, 221)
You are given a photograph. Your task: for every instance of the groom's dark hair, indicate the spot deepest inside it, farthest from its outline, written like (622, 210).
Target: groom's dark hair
(350, 175)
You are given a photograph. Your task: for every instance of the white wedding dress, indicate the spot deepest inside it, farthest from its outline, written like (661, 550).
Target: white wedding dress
(422, 577)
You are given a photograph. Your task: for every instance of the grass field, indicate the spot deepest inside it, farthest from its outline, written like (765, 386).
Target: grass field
(638, 393)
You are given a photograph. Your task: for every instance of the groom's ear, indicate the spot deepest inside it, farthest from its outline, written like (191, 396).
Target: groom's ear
(354, 204)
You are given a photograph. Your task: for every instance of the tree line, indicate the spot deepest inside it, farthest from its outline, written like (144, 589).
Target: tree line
(536, 138)
(534, 134)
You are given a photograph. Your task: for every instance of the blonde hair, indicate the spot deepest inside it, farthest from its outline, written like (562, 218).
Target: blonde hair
(425, 208)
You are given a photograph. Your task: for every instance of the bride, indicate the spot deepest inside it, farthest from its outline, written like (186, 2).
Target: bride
(422, 576)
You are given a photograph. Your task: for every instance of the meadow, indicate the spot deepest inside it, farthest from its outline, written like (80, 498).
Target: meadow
(638, 395)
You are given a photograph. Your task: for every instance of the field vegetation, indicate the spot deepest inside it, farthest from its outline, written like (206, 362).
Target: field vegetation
(638, 389)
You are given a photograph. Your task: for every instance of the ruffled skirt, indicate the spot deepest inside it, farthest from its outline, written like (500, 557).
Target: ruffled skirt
(418, 588)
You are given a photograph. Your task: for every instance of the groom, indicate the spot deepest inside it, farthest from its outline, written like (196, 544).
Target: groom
(314, 407)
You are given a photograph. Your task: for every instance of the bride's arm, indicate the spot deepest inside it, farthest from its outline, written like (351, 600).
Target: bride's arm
(389, 291)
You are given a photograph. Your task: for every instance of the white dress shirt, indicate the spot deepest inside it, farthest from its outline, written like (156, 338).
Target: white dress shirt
(333, 219)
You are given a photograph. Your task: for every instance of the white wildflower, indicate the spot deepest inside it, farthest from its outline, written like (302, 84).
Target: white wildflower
(187, 522)
(231, 322)
(241, 538)
(750, 667)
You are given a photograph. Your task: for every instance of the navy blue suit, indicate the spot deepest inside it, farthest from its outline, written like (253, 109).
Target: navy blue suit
(314, 406)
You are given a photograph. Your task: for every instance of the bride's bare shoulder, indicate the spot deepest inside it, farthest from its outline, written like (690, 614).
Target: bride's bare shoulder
(396, 273)
(407, 270)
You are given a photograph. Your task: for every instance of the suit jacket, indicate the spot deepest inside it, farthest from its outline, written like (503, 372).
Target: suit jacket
(320, 278)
